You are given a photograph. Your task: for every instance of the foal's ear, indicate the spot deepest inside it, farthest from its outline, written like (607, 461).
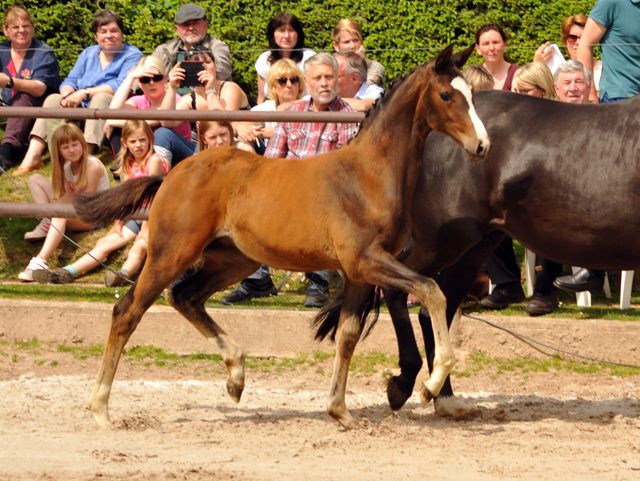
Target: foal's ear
(443, 58)
(461, 58)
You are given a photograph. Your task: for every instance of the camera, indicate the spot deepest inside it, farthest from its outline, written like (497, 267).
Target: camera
(191, 69)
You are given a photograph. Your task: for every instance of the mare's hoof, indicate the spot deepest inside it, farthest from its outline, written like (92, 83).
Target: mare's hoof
(234, 391)
(425, 395)
(397, 394)
(451, 406)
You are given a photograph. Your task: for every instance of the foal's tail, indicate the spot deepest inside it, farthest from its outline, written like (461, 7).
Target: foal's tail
(326, 322)
(117, 203)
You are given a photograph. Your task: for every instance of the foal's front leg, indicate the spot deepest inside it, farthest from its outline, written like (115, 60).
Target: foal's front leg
(349, 331)
(383, 270)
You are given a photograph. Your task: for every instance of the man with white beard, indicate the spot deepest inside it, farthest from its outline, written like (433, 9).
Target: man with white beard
(301, 140)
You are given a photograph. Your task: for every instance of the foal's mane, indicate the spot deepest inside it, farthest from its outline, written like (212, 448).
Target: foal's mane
(386, 97)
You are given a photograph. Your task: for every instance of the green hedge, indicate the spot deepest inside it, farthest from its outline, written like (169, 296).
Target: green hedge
(398, 33)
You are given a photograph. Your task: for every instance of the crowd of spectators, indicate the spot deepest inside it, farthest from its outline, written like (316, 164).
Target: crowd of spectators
(114, 74)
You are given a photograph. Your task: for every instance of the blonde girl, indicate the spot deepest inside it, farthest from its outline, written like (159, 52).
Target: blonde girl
(73, 171)
(535, 79)
(137, 159)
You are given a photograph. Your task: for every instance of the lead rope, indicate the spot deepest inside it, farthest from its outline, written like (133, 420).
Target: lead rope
(62, 233)
(523, 338)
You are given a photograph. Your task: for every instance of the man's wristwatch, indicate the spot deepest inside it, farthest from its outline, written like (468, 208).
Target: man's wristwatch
(10, 83)
(87, 94)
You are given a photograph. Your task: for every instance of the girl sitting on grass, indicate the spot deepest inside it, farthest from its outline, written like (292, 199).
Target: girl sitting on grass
(137, 159)
(73, 171)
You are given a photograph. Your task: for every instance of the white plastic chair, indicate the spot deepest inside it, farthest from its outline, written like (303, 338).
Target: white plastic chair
(583, 299)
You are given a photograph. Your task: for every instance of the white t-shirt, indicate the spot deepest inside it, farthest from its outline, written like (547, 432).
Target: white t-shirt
(368, 91)
(266, 106)
(263, 65)
(103, 184)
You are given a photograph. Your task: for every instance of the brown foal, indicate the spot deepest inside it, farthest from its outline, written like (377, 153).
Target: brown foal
(231, 211)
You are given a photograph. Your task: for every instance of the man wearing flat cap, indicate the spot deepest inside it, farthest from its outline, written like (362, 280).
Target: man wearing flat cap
(191, 26)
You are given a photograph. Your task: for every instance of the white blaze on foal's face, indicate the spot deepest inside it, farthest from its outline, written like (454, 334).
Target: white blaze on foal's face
(461, 85)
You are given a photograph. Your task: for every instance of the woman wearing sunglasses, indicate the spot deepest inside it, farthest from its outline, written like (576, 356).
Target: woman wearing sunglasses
(150, 75)
(285, 82)
(572, 28)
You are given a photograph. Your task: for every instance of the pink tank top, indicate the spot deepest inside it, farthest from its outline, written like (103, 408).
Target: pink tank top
(144, 171)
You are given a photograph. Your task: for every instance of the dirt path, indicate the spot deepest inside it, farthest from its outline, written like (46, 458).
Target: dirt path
(172, 424)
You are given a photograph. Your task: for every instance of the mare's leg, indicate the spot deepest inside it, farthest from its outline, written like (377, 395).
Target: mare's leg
(455, 282)
(223, 266)
(400, 388)
(349, 331)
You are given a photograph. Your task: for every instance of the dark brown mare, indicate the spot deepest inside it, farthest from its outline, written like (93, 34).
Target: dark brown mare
(348, 210)
(563, 179)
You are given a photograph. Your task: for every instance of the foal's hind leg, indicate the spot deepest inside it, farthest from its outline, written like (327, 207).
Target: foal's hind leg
(126, 317)
(349, 331)
(222, 267)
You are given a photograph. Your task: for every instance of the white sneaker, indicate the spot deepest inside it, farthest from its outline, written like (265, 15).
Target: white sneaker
(40, 232)
(35, 264)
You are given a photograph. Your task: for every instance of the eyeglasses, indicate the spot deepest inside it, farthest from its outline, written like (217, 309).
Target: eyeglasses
(573, 38)
(155, 78)
(294, 80)
(24, 26)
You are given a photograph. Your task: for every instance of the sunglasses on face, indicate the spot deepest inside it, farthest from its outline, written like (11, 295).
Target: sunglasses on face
(155, 78)
(283, 80)
(572, 38)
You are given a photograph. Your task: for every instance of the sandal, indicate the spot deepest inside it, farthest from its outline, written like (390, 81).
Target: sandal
(31, 168)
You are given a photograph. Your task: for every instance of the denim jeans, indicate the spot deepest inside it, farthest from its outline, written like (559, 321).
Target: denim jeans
(606, 100)
(172, 146)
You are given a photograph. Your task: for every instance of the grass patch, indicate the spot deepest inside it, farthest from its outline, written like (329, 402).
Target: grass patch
(82, 352)
(478, 362)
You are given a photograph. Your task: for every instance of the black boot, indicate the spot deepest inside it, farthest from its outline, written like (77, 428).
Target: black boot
(503, 295)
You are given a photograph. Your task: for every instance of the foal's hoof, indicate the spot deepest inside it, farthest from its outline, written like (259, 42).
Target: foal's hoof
(397, 393)
(425, 395)
(234, 391)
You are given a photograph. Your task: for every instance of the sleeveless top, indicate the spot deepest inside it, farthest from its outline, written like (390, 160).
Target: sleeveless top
(510, 73)
(103, 183)
(144, 171)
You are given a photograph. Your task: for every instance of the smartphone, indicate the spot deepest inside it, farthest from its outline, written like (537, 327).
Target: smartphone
(191, 69)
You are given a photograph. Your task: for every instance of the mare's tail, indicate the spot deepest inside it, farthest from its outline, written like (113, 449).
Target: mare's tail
(117, 203)
(326, 322)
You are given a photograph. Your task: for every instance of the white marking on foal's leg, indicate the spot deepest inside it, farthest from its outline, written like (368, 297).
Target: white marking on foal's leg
(461, 85)
(444, 360)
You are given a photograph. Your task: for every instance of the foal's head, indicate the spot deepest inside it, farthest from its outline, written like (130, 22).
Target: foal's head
(446, 103)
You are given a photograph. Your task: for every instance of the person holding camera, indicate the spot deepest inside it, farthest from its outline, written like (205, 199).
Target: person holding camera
(191, 25)
(199, 72)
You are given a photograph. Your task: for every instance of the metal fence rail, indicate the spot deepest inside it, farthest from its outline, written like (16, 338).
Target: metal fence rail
(66, 211)
(229, 115)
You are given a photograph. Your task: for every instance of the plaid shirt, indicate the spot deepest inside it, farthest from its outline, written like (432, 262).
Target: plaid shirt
(300, 140)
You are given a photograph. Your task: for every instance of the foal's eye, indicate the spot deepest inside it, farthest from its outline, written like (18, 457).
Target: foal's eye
(446, 96)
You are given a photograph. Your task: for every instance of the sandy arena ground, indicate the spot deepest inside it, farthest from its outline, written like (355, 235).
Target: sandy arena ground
(171, 424)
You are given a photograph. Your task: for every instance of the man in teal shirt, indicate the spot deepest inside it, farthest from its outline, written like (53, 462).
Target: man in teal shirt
(615, 24)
